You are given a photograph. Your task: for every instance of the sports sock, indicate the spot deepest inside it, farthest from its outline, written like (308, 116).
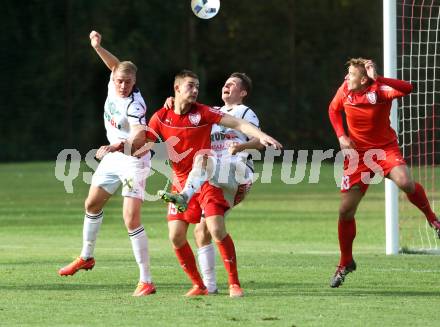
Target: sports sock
(187, 261)
(203, 168)
(227, 251)
(206, 258)
(346, 235)
(92, 223)
(419, 199)
(139, 243)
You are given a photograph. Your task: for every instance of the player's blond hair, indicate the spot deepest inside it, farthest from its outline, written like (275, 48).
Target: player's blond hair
(182, 74)
(125, 67)
(359, 63)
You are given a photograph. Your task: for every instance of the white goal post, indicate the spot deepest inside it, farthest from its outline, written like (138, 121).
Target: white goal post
(411, 36)
(390, 70)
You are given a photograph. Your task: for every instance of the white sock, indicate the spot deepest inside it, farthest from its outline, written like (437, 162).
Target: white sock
(202, 170)
(139, 243)
(206, 258)
(92, 223)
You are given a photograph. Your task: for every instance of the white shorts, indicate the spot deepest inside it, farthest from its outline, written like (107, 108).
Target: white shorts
(234, 177)
(117, 168)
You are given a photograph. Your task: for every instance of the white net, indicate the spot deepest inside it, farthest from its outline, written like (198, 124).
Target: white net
(419, 114)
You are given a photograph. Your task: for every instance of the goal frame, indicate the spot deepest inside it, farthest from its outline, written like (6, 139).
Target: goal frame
(390, 70)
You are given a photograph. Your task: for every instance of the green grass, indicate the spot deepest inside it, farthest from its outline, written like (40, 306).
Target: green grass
(287, 250)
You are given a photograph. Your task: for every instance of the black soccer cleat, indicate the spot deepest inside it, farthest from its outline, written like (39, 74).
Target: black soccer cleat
(342, 271)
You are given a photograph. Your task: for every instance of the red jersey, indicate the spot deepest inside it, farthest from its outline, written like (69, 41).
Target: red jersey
(368, 112)
(184, 134)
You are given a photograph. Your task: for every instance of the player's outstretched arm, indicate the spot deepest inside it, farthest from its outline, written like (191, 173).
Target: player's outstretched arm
(109, 59)
(249, 129)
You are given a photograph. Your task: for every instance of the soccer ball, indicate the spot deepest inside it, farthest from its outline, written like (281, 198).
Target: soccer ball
(205, 9)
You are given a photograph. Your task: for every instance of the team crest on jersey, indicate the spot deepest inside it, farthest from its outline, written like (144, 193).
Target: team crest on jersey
(372, 97)
(194, 118)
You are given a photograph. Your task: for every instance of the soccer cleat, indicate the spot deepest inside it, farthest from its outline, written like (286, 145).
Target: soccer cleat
(77, 264)
(196, 290)
(143, 289)
(177, 199)
(341, 272)
(436, 226)
(235, 291)
(213, 292)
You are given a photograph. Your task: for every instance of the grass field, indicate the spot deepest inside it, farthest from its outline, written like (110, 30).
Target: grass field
(287, 250)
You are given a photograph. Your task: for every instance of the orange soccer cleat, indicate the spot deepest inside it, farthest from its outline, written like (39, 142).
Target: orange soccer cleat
(235, 291)
(77, 264)
(196, 290)
(144, 289)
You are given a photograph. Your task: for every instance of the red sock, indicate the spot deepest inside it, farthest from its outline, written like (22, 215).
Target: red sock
(227, 251)
(346, 235)
(186, 259)
(419, 199)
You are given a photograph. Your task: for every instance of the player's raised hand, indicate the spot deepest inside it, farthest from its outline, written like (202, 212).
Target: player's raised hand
(95, 39)
(370, 67)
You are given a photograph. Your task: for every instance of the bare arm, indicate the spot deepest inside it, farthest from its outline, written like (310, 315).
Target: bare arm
(253, 143)
(109, 59)
(249, 129)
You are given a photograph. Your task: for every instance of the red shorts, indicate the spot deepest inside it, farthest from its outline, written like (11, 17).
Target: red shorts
(209, 200)
(360, 170)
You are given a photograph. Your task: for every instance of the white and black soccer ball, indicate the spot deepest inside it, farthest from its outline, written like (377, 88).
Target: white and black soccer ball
(205, 9)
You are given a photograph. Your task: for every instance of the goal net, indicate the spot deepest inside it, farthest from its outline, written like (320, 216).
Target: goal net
(418, 61)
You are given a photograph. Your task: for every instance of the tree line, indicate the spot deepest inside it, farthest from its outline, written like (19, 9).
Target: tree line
(54, 86)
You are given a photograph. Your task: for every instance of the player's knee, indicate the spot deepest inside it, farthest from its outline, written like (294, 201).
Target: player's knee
(132, 224)
(406, 185)
(202, 236)
(346, 212)
(218, 233)
(178, 239)
(92, 207)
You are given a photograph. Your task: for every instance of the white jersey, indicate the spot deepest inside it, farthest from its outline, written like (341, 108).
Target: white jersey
(120, 113)
(222, 137)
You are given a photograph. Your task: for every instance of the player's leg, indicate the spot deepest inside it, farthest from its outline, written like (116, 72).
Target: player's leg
(202, 169)
(94, 204)
(350, 200)
(225, 244)
(415, 193)
(133, 176)
(177, 230)
(139, 243)
(206, 256)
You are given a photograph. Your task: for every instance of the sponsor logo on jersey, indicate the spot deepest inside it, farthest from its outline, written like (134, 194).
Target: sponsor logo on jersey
(194, 118)
(221, 136)
(372, 97)
(112, 109)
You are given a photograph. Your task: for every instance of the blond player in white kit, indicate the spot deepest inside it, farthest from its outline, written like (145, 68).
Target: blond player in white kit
(230, 168)
(124, 118)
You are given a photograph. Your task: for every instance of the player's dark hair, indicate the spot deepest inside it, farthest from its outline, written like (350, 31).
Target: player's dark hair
(185, 73)
(246, 82)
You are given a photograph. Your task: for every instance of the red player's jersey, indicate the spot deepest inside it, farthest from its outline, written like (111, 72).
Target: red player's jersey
(184, 134)
(368, 112)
